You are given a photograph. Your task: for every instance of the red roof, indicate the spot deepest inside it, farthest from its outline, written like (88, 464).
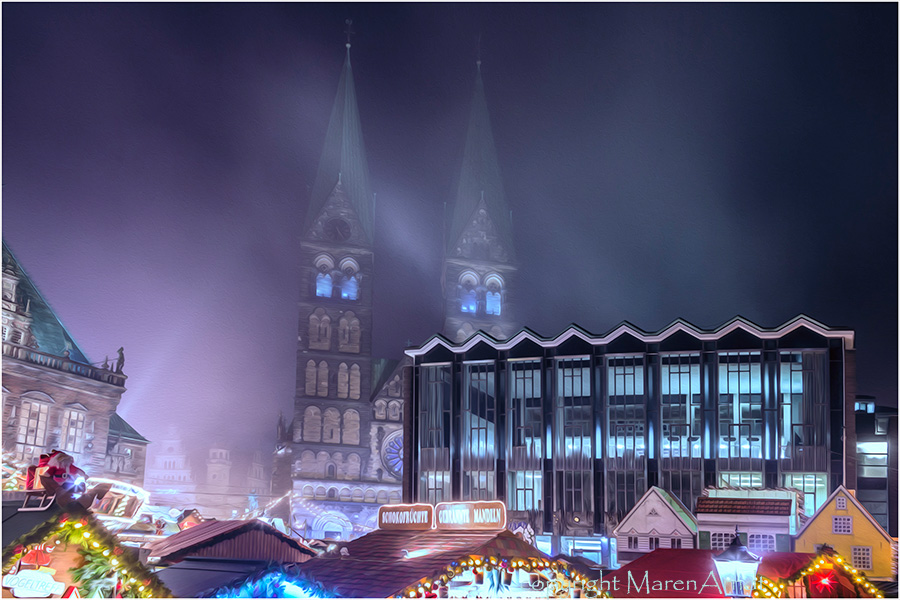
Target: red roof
(245, 539)
(379, 564)
(781, 565)
(745, 506)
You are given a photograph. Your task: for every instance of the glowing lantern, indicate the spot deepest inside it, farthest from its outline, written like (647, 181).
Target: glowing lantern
(737, 567)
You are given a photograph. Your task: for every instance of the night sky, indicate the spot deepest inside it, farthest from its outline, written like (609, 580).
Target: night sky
(661, 161)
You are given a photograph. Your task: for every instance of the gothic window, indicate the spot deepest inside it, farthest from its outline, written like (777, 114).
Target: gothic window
(357, 495)
(311, 378)
(332, 493)
(322, 383)
(492, 297)
(370, 495)
(380, 409)
(312, 424)
(324, 282)
(320, 493)
(331, 426)
(350, 431)
(354, 382)
(350, 283)
(323, 285)
(344, 495)
(319, 330)
(330, 471)
(72, 430)
(343, 381)
(382, 497)
(394, 413)
(353, 466)
(308, 491)
(348, 333)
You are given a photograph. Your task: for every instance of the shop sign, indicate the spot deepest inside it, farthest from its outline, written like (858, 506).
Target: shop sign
(488, 515)
(406, 517)
(33, 584)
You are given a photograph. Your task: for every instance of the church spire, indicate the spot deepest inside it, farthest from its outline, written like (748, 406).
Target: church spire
(479, 179)
(343, 159)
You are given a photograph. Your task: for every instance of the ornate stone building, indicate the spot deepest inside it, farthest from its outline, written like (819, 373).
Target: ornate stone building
(53, 396)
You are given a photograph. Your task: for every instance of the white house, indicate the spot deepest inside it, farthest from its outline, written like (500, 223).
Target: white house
(658, 520)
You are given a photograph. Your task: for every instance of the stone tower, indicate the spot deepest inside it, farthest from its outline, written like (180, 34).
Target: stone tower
(479, 256)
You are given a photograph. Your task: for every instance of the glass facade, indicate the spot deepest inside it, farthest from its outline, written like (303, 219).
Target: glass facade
(575, 434)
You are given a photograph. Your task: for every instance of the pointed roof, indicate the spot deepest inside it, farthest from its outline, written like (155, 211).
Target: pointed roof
(480, 174)
(52, 337)
(826, 508)
(119, 427)
(344, 157)
(676, 506)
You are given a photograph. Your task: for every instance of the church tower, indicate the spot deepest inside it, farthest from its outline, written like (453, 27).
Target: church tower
(334, 354)
(479, 255)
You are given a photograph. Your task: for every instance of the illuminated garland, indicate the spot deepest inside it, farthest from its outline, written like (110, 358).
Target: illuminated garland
(101, 553)
(827, 560)
(481, 565)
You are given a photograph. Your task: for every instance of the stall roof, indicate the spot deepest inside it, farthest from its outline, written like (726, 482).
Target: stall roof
(192, 577)
(384, 562)
(238, 539)
(668, 565)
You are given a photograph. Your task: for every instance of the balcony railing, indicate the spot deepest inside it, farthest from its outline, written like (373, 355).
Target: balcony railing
(63, 364)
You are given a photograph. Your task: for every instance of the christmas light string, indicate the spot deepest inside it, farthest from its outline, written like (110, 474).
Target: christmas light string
(827, 561)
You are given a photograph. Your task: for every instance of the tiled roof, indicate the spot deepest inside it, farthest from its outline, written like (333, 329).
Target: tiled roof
(377, 565)
(745, 506)
(196, 539)
(48, 330)
(119, 427)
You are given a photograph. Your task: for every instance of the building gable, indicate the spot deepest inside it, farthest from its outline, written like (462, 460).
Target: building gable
(657, 511)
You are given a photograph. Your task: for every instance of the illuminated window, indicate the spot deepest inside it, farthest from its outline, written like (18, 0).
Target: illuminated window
(479, 454)
(861, 557)
(681, 397)
(468, 302)
(434, 434)
(741, 479)
(626, 441)
(72, 431)
(842, 524)
(761, 543)
(32, 429)
(525, 433)
(802, 403)
(873, 459)
(492, 297)
(840, 503)
(740, 406)
(574, 451)
(350, 288)
(323, 285)
(813, 486)
(468, 298)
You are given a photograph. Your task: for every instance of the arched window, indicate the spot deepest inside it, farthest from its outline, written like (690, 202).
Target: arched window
(395, 497)
(319, 330)
(350, 283)
(350, 431)
(343, 381)
(331, 426)
(322, 382)
(353, 466)
(332, 493)
(348, 333)
(312, 424)
(394, 413)
(323, 285)
(394, 387)
(370, 495)
(344, 495)
(320, 493)
(311, 378)
(380, 409)
(330, 471)
(382, 497)
(354, 382)
(308, 491)
(492, 297)
(468, 295)
(357, 495)
(308, 463)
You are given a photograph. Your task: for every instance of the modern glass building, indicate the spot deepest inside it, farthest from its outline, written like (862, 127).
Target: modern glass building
(571, 431)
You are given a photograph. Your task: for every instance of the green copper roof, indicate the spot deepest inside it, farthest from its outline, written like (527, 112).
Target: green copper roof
(680, 509)
(344, 157)
(480, 173)
(48, 330)
(119, 428)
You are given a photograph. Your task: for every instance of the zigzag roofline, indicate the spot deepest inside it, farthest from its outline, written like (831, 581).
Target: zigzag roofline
(575, 330)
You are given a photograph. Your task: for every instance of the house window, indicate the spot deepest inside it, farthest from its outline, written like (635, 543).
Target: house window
(813, 486)
(681, 406)
(654, 543)
(720, 541)
(479, 417)
(524, 419)
(32, 430)
(802, 402)
(740, 406)
(760, 543)
(72, 431)
(741, 479)
(842, 524)
(434, 433)
(840, 503)
(632, 542)
(574, 414)
(861, 557)
(676, 543)
(873, 459)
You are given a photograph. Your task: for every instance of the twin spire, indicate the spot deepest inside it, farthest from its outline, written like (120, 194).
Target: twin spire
(343, 163)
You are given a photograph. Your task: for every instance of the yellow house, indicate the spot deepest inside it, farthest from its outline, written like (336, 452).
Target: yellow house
(845, 525)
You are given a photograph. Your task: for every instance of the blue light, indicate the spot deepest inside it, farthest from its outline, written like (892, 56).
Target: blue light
(323, 285)
(350, 288)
